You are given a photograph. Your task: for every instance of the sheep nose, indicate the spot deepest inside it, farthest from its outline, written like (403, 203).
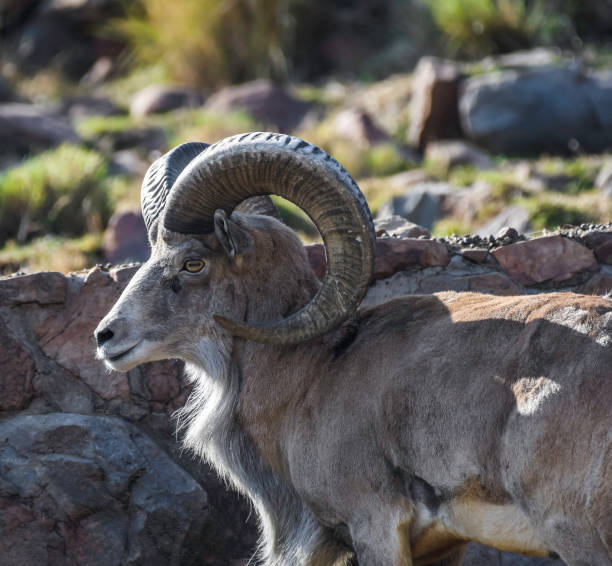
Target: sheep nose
(103, 336)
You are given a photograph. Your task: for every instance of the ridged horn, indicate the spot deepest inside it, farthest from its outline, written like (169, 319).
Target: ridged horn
(264, 163)
(160, 177)
(162, 174)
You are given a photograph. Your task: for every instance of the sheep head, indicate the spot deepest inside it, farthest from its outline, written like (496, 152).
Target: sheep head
(207, 260)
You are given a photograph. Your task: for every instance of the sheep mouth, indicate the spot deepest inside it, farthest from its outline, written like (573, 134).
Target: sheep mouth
(117, 357)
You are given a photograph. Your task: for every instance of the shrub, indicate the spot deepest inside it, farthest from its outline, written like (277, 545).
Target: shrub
(211, 42)
(548, 214)
(482, 27)
(60, 191)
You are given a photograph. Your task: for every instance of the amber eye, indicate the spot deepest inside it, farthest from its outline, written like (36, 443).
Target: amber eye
(193, 265)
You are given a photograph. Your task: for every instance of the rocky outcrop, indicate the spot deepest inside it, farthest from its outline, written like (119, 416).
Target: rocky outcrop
(433, 108)
(94, 491)
(26, 128)
(90, 468)
(266, 102)
(512, 112)
(162, 98)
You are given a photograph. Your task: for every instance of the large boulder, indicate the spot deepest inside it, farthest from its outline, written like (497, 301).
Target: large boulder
(266, 102)
(433, 109)
(26, 128)
(94, 491)
(162, 98)
(125, 238)
(422, 204)
(550, 109)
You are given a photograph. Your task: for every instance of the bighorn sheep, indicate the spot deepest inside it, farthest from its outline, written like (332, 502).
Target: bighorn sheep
(396, 433)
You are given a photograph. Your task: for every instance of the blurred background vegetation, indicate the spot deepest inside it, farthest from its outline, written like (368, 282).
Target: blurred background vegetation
(341, 74)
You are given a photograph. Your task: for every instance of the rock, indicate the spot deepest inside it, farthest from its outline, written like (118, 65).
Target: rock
(155, 99)
(45, 288)
(433, 110)
(99, 72)
(444, 282)
(507, 235)
(552, 109)
(75, 107)
(598, 284)
(393, 255)
(422, 204)
(17, 373)
(383, 290)
(464, 203)
(601, 244)
(476, 255)
(94, 490)
(388, 100)
(450, 153)
(45, 41)
(68, 340)
(125, 238)
(162, 380)
(26, 129)
(494, 284)
(514, 216)
(526, 59)
(398, 227)
(265, 102)
(145, 139)
(358, 126)
(549, 258)
(128, 162)
(604, 179)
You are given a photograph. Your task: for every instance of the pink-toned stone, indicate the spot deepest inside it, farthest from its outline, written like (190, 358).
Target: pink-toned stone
(266, 102)
(162, 380)
(443, 282)
(45, 288)
(434, 113)
(475, 255)
(494, 284)
(358, 126)
(17, 373)
(601, 244)
(125, 238)
(69, 340)
(543, 259)
(598, 284)
(393, 255)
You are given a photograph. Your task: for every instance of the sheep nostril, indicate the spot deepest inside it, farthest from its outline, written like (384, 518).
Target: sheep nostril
(104, 336)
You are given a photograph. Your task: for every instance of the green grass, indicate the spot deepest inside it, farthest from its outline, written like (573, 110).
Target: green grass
(60, 191)
(51, 253)
(481, 27)
(581, 171)
(549, 213)
(450, 227)
(99, 125)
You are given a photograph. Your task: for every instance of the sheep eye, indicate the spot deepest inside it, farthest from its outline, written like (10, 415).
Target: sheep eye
(193, 265)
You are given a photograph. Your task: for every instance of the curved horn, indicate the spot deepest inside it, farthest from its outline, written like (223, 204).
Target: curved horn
(160, 177)
(263, 163)
(162, 174)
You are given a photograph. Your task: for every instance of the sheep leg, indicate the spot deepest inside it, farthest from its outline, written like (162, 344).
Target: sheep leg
(381, 535)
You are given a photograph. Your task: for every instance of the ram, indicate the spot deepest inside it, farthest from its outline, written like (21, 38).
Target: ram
(395, 433)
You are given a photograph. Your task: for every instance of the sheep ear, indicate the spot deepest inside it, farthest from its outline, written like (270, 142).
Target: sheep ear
(233, 239)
